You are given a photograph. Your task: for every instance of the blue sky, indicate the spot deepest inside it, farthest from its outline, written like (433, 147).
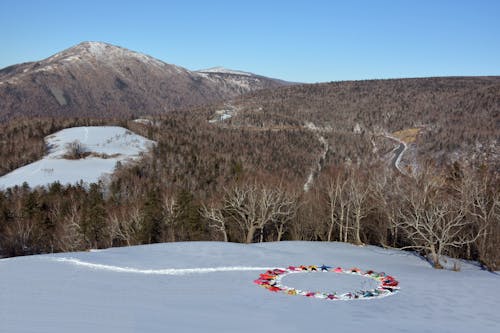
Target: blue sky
(307, 41)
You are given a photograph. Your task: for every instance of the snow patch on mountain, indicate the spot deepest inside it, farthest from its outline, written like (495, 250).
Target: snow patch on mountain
(103, 147)
(223, 70)
(96, 48)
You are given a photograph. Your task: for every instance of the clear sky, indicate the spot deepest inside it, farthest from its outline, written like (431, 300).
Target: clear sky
(307, 41)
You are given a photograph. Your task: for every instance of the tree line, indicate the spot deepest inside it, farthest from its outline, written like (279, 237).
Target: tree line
(454, 213)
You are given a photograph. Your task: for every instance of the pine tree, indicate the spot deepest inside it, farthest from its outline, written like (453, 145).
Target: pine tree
(94, 223)
(153, 218)
(189, 219)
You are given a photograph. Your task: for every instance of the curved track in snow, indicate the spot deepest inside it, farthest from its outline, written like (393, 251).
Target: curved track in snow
(163, 271)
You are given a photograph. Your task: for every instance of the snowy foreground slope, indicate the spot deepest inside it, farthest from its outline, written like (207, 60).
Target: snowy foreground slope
(109, 144)
(208, 287)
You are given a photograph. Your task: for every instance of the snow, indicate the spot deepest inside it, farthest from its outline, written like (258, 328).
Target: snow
(149, 60)
(168, 271)
(96, 48)
(72, 58)
(113, 144)
(204, 75)
(221, 115)
(223, 70)
(143, 121)
(341, 283)
(244, 82)
(113, 55)
(208, 287)
(90, 53)
(46, 68)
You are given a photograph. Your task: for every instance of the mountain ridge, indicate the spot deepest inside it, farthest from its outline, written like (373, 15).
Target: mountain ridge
(101, 79)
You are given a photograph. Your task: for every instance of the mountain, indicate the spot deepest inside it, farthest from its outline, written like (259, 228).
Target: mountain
(103, 80)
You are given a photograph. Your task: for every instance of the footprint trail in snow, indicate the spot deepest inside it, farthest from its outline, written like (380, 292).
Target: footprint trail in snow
(164, 271)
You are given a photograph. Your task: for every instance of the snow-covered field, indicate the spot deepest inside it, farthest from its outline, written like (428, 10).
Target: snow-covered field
(110, 144)
(208, 287)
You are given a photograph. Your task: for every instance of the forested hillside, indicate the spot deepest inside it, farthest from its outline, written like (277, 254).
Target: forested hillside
(311, 162)
(454, 118)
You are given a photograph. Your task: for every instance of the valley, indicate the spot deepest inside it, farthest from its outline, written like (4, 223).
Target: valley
(246, 166)
(349, 161)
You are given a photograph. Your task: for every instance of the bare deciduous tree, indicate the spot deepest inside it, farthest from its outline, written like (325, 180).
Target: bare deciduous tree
(480, 198)
(385, 195)
(126, 226)
(253, 207)
(216, 219)
(70, 236)
(22, 234)
(359, 194)
(337, 202)
(432, 219)
(170, 214)
(75, 150)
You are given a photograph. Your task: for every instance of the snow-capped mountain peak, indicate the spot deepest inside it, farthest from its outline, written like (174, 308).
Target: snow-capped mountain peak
(108, 54)
(96, 78)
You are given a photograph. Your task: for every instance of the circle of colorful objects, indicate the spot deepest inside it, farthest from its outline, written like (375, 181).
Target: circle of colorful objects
(271, 280)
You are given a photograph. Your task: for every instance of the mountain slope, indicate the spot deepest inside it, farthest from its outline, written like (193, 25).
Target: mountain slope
(99, 148)
(450, 118)
(99, 79)
(245, 80)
